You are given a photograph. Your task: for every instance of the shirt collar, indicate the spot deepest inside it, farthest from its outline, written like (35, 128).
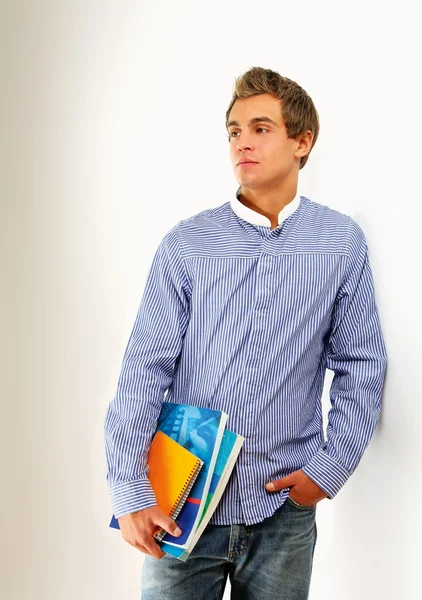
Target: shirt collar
(246, 213)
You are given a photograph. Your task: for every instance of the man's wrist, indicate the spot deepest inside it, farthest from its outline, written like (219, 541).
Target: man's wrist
(326, 472)
(132, 496)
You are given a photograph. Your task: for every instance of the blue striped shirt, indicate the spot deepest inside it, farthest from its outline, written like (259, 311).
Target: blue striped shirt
(243, 318)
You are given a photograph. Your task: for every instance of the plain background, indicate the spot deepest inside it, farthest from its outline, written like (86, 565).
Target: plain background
(112, 131)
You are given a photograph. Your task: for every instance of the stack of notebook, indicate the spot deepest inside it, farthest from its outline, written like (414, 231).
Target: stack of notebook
(190, 461)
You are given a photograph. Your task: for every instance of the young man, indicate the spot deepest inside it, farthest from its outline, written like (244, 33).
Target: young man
(244, 308)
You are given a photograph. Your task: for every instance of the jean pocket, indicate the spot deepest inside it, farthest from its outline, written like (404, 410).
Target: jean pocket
(301, 506)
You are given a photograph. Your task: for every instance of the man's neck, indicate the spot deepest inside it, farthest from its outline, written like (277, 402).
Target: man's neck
(269, 202)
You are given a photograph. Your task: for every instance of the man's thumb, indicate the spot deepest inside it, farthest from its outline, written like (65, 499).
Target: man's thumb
(279, 484)
(170, 526)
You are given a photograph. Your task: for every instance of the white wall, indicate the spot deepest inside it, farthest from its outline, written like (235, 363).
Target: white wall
(111, 112)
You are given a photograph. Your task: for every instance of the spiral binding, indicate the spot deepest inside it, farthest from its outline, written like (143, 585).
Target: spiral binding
(181, 499)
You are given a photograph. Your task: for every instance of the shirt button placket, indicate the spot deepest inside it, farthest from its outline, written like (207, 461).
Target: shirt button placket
(258, 344)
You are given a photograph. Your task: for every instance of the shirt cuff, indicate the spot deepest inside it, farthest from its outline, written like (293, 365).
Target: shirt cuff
(131, 496)
(326, 472)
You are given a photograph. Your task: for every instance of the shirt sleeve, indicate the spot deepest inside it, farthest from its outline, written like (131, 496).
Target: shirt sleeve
(147, 371)
(356, 354)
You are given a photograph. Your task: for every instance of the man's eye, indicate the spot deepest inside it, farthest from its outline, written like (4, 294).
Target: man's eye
(258, 129)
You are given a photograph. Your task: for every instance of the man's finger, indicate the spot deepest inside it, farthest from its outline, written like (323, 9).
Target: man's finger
(169, 525)
(279, 484)
(153, 548)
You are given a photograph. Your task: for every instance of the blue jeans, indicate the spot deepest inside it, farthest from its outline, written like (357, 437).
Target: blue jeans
(270, 560)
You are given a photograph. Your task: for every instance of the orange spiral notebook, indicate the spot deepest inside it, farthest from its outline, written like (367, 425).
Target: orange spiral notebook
(172, 473)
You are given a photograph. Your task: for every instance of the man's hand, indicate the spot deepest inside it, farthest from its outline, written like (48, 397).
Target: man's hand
(138, 529)
(302, 489)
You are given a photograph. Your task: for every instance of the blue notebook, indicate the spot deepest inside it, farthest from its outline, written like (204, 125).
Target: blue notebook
(199, 430)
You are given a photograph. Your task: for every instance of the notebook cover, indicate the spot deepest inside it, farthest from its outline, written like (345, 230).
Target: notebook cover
(171, 468)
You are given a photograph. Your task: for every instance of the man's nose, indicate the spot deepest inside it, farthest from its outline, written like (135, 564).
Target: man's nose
(244, 144)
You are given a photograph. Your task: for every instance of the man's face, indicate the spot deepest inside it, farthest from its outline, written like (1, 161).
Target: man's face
(262, 141)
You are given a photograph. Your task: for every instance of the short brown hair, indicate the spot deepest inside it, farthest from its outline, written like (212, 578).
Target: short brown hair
(297, 108)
